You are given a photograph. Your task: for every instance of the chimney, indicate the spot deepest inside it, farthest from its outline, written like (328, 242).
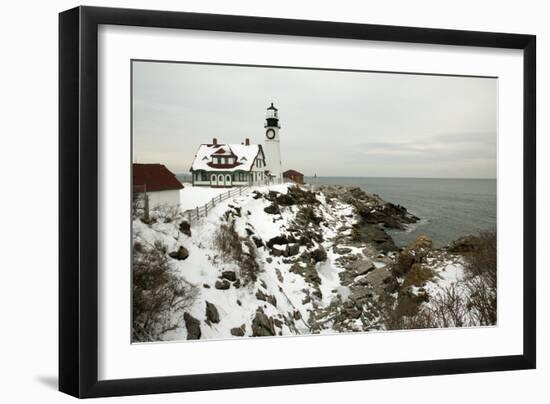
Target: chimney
(214, 141)
(247, 141)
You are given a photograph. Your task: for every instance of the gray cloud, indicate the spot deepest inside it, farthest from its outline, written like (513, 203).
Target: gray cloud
(333, 123)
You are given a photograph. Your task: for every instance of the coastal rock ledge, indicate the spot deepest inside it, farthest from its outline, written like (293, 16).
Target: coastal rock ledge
(319, 260)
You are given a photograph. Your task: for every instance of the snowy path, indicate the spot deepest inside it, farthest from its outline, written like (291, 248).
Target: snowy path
(191, 197)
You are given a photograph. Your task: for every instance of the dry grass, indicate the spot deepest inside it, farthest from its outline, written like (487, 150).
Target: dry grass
(238, 249)
(470, 302)
(159, 296)
(418, 275)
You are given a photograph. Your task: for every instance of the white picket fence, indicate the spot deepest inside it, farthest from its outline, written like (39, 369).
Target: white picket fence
(202, 211)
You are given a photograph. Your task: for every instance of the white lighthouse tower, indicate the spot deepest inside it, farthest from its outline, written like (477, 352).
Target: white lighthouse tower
(273, 143)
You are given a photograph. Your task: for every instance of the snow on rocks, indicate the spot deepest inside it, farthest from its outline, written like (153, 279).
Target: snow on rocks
(300, 267)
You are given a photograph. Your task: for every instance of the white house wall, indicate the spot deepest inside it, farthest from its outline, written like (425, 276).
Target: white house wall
(162, 198)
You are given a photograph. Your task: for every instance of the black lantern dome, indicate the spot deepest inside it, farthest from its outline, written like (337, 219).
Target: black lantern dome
(272, 117)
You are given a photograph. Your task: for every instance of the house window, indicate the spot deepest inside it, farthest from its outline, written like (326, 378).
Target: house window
(204, 176)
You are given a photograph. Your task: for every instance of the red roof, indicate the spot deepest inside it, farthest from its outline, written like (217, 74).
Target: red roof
(156, 177)
(288, 173)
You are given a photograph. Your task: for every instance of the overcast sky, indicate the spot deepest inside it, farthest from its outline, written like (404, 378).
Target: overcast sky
(333, 123)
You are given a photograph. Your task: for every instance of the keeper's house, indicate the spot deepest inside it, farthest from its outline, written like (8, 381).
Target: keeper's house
(157, 182)
(229, 165)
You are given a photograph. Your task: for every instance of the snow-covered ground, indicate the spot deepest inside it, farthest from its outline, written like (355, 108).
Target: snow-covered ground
(447, 272)
(203, 267)
(191, 197)
(284, 292)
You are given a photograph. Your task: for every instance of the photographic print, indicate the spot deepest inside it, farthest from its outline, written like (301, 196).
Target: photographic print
(279, 201)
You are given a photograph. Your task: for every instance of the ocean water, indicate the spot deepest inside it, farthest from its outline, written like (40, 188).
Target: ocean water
(447, 208)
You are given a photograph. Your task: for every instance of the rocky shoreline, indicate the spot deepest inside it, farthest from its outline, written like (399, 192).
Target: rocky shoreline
(288, 260)
(375, 215)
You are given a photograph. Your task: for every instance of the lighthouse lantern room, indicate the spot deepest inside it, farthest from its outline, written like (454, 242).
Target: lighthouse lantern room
(272, 143)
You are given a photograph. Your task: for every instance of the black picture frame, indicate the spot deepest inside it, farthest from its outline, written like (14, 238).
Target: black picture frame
(78, 200)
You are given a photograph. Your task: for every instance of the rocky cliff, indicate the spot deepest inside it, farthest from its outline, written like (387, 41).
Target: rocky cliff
(286, 260)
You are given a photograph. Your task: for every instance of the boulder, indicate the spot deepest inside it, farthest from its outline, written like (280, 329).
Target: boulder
(272, 209)
(272, 195)
(180, 255)
(382, 280)
(464, 244)
(280, 240)
(192, 325)
(266, 298)
(360, 294)
(257, 241)
(229, 275)
(372, 234)
(238, 331)
(277, 252)
(391, 284)
(292, 250)
(363, 266)
(341, 250)
(413, 254)
(319, 254)
(185, 228)
(308, 271)
(222, 285)
(285, 200)
(302, 196)
(306, 215)
(212, 314)
(352, 312)
(262, 325)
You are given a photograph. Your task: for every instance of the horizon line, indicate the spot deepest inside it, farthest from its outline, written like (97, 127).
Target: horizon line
(405, 177)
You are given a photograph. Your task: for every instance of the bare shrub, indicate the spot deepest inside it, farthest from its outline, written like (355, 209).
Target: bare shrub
(448, 307)
(228, 242)
(481, 282)
(483, 259)
(159, 295)
(165, 213)
(482, 300)
(241, 250)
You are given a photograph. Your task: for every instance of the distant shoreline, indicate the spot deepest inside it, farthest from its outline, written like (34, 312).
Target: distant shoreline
(184, 176)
